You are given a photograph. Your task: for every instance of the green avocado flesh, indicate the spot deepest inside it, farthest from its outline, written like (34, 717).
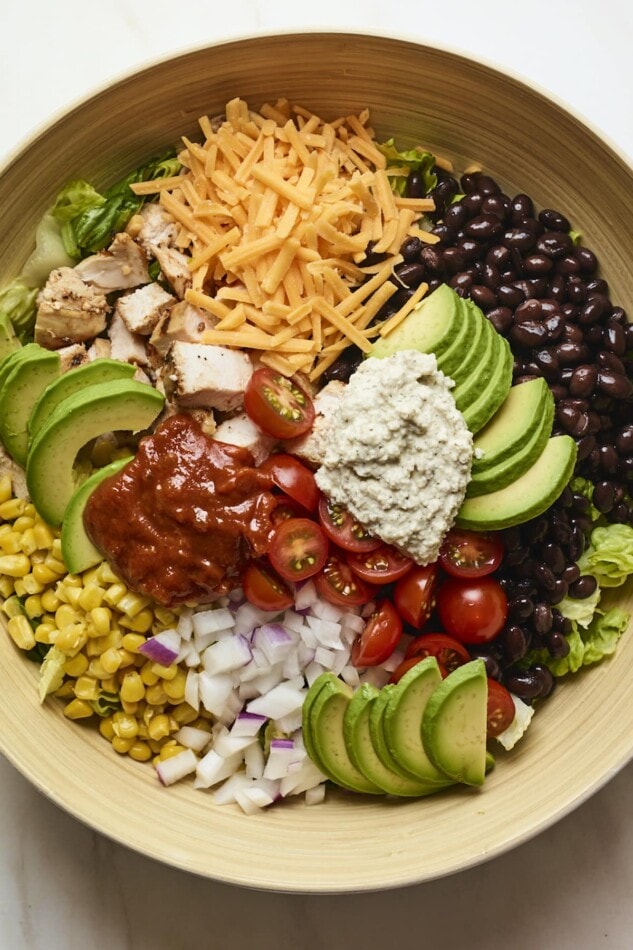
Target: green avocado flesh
(523, 412)
(73, 381)
(78, 551)
(9, 342)
(29, 374)
(430, 327)
(103, 407)
(478, 412)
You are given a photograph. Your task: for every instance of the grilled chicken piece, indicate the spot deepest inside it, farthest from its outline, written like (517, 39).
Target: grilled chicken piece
(69, 310)
(142, 309)
(174, 266)
(17, 475)
(183, 322)
(242, 431)
(152, 227)
(311, 446)
(72, 356)
(100, 349)
(125, 346)
(200, 375)
(121, 267)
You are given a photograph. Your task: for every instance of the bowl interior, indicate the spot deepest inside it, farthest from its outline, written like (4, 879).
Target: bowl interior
(584, 733)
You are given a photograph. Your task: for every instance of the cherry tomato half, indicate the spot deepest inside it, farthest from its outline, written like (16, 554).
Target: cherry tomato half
(501, 711)
(449, 652)
(294, 478)
(379, 637)
(286, 508)
(343, 528)
(265, 589)
(414, 594)
(278, 405)
(470, 553)
(382, 566)
(298, 549)
(472, 611)
(338, 584)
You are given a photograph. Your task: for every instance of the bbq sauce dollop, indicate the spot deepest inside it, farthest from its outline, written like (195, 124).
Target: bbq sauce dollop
(181, 520)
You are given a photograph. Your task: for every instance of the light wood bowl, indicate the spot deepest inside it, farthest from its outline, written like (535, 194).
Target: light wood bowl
(584, 734)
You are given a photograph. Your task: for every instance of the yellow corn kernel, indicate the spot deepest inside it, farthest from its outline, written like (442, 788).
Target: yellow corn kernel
(72, 595)
(10, 542)
(28, 544)
(132, 688)
(86, 687)
(147, 674)
(106, 574)
(142, 623)
(43, 535)
(158, 727)
(127, 658)
(57, 566)
(101, 618)
(130, 708)
(32, 585)
(165, 672)
(90, 597)
(29, 510)
(12, 607)
(21, 632)
(90, 578)
(12, 509)
(94, 645)
(101, 453)
(71, 639)
(122, 746)
(124, 725)
(184, 714)
(132, 603)
(114, 593)
(110, 660)
(50, 601)
(106, 728)
(46, 632)
(6, 491)
(33, 606)
(140, 752)
(65, 691)
(112, 641)
(18, 586)
(156, 695)
(165, 616)
(15, 565)
(96, 669)
(78, 709)
(56, 548)
(76, 665)
(6, 587)
(132, 641)
(175, 687)
(170, 749)
(65, 616)
(109, 685)
(43, 574)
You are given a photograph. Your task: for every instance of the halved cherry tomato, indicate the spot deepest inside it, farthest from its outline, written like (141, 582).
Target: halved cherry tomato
(449, 652)
(343, 528)
(407, 664)
(294, 478)
(278, 405)
(286, 508)
(470, 553)
(414, 594)
(379, 637)
(265, 589)
(472, 611)
(338, 584)
(501, 711)
(298, 549)
(382, 566)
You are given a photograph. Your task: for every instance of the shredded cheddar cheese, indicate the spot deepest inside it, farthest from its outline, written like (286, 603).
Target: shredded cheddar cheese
(276, 211)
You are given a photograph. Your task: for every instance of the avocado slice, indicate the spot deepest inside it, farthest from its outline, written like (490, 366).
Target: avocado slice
(379, 739)
(361, 749)
(454, 724)
(528, 496)
(451, 360)
(520, 414)
(308, 703)
(104, 407)
(12, 359)
(99, 371)
(326, 715)
(402, 721)
(9, 342)
(431, 327)
(515, 464)
(29, 374)
(469, 385)
(482, 409)
(78, 551)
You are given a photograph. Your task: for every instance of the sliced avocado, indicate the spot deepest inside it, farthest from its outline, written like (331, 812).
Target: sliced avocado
(13, 358)
(379, 739)
(527, 497)
(326, 717)
(482, 409)
(469, 385)
(515, 464)
(402, 721)
(9, 342)
(520, 414)
(474, 347)
(105, 407)
(454, 724)
(308, 702)
(451, 359)
(29, 375)
(361, 749)
(99, 371)
(78, 551)
(430, 327)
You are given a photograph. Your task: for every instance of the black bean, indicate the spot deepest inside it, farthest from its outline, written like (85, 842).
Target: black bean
(555, 326)
(598, 286)
(461, 282)
(547, 361)
(525, 684)
(523, 237)
(472, 249)
(571, 573)
(557, 644)
(568, 266)
(521, 207)
(483, 227)
(415, 186)
(444, 233)
(576, 291)
(456, 215)
(584, 587)
(610, 361)
(501, 319)
(496, 204)
(571, 354)
(520, 607)
(528, 334)
(624, 440)
(559, 591)
(411, 248)
(454, 259)
(472, 202)
(410, 274)
(499, 256)
(596, 308)
(513, 643)
(586, 258)
(554, 220)
(490, 276)
(557, 288)
(586, 444)
(583, 380)
(554, 244)
(542, 618)
(609, 459)
(483, 296)
(614, 337)
(615, 384)
(553, 556)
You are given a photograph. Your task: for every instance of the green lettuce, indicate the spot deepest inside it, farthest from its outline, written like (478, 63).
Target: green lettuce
(582, 611)
(609, 556)
(414, 161)
(17, 308)
(51, 673)
(582, 486)
(586, 647)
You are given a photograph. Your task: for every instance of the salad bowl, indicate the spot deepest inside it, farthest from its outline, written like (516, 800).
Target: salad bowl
(583, 734)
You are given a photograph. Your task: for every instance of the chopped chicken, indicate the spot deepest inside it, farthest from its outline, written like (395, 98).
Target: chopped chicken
(311, 446)
(121, 267)
(100, 349)
(174, 266)
(183, 322)
(209, 376)
(71, 356)
(205, 419)
(152, 227)
(18, 478)
(69, 310)
(241, 430)
(125, 346)
(142, 309)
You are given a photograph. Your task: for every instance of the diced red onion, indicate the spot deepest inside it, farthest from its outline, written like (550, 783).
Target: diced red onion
(306, 596)
(227, 745)
(192, 738)
(326, 611)
(214, 768)
(274, 641)
(162, 648)
(185, 623)
(177, 767)
(192, 691)
(248, 617)
(350, 675)
(279, 701)
(224, 656)
(215, 691)
(225, 794)
(290, 722)
(254, 761)
(211, 621)
(247, 724)
(315, 795)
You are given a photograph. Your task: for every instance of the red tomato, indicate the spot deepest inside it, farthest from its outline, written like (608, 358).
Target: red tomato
(286, 508)
(501, 709)
(338, 584)
(470, 553)
(264, 589)
(449, 652)
(407, 664)
(298, 549)
(379, 638)
(414, 594)
(294, 478)
(382, 566)
(472, 611)
(278, 405)
(343, 528)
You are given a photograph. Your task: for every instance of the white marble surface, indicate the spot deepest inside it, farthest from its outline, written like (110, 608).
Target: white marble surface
(63, 886)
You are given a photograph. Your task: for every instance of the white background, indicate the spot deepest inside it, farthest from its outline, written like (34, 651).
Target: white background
(63, 886)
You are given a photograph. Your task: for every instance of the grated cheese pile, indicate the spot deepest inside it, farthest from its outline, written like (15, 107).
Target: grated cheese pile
(276, 210)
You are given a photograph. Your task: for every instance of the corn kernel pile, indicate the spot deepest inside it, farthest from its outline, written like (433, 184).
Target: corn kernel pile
(98, 624)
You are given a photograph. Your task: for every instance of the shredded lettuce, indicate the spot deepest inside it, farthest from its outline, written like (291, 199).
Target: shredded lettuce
(414, 161)
(609, 556)
(51, 673)
(581, 611)
(586, 647)
(17, 306)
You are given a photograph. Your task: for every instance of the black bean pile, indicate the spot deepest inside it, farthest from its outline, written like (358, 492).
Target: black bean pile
(541, 289)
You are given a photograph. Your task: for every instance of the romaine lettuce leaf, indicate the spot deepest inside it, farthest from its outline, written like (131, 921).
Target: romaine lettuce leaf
(582, 611)
(582, 486)
(588, 646)
(17, 305)
(609, 556)
(411, 159)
